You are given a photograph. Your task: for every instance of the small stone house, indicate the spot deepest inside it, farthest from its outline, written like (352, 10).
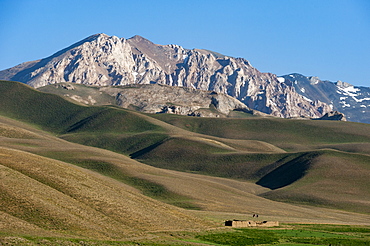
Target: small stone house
(250, 223)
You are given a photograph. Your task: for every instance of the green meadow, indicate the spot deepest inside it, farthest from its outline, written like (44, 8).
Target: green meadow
(286, 235)
(294, 235)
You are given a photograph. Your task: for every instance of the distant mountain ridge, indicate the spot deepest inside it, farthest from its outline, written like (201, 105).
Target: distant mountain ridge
(353, 101)
(102, 60)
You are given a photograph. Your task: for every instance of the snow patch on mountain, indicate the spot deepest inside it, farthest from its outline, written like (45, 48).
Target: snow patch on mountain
(352, 92)
(351, 100)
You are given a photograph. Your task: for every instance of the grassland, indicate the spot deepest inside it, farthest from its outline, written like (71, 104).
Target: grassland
(57, 198)
(80, 93)
(55, 114)
(287, 134)
(294, 236)
(152, 175)
(286, 235)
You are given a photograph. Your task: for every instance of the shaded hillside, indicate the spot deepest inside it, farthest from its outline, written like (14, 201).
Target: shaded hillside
(319, 178)
(330, 178)
(191, 156)
(55, 114)
(284, 173)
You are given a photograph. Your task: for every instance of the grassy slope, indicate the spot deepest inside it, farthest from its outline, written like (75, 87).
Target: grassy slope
(327, 178)
(95, 125)
(186, 155)
(292, 135)
(57, 196)
(331, 179)
(55, 114)
(87, 94)
(217, 198)
(294, 235)
(164, 145)
(318, 175)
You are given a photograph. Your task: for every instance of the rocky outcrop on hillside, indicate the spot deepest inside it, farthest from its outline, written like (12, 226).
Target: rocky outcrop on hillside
(333, 115)
(175, 100)
(102, 60)
(153, 98)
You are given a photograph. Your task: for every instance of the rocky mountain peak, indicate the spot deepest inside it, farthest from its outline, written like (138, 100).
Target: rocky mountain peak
(102, 60)
(314, 80)
(138, 39)
(96, 36)
(343, 84)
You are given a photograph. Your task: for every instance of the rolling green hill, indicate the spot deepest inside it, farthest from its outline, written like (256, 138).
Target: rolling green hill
(55, 196)
(55, 114)
(291, 135)
(328, 178)
(327, 163)
(94, 125)
(212, 167)
(148, 180)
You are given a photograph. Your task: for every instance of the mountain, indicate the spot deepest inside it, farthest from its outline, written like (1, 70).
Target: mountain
(353, 101)
(102, 60)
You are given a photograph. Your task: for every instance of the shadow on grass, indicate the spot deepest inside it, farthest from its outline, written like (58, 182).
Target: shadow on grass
(289, 172)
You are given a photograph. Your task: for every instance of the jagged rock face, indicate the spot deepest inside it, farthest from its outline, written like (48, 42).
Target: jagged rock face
(103, 60)
(351, 100)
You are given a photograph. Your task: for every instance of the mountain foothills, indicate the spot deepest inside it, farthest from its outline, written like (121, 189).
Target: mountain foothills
(75, 172)
(103, 60)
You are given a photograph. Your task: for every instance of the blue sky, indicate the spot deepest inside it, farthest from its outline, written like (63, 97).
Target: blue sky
(325, 38)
